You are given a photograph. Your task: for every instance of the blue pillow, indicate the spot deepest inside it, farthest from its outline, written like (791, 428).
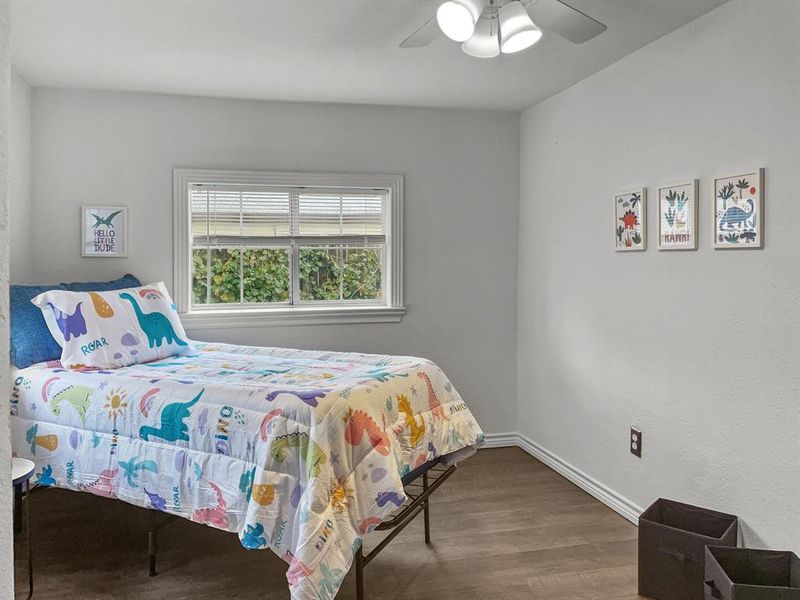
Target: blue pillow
(126, 281)
(31, 341)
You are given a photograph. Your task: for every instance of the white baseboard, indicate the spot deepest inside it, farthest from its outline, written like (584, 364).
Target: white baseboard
(501, 440)
(615, 501)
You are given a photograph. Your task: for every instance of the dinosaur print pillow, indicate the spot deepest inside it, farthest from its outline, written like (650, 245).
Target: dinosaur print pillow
(113, 329)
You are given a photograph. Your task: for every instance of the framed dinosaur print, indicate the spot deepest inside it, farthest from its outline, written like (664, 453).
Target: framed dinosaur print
(104, 231)
(677, 216)
(739, 210)
(630, 220)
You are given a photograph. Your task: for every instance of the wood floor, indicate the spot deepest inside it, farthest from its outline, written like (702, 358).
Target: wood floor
(504, 527)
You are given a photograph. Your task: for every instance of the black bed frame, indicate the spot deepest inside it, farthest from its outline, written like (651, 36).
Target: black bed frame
(432, 474)
(418, 501)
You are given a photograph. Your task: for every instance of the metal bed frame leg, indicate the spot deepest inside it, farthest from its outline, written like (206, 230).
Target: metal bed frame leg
(427, 509)
(360, 572)
(420, 503)
(152, 545)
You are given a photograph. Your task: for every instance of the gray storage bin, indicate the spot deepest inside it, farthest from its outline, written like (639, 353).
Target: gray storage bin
(672, 541)
(747, 574)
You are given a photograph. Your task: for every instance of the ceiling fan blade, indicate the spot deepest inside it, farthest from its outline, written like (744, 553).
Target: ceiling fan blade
(422, 36)
(566, 21)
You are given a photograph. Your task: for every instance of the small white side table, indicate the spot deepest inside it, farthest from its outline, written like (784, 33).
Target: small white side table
(21, 472)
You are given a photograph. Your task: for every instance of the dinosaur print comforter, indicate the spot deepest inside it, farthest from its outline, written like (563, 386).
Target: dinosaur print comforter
(298, 451)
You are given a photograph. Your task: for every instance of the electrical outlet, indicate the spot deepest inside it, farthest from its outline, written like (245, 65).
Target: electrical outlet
(636, 442)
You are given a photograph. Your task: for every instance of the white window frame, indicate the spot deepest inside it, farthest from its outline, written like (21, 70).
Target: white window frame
(208, 317)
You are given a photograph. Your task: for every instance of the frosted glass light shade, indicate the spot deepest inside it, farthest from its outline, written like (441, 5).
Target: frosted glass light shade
(457, 18)
(485, 42)
(517, 29)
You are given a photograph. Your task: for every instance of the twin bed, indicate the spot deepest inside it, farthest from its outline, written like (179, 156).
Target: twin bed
(301, 452)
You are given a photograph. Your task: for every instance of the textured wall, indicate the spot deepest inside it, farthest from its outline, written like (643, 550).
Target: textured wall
(701, 349)
(19, 180)
(6, 536)
(461, 194)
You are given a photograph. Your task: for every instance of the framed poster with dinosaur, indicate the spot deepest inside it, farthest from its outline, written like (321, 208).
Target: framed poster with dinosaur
(739, 210)
(104, 231)
(677, 216)
(630, 220)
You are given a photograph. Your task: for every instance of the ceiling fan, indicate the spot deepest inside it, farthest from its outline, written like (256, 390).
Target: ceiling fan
(485, 28)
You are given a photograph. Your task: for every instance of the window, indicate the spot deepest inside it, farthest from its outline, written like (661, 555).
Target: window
(287, 248)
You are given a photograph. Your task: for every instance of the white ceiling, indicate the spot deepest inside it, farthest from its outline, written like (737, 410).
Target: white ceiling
(312, 50)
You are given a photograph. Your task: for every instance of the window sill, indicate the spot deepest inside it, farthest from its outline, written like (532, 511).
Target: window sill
(276, 317)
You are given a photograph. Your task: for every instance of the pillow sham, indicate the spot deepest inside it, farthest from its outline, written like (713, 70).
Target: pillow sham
(31, 341)
(126, 281)
(113, 329)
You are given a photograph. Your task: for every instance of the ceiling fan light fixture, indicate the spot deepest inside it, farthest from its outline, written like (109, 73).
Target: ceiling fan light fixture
(485, 42)
(517, 30)
(457, 18)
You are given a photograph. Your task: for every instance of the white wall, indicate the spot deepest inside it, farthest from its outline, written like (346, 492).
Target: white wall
(6, 535)
(461, 194)
(701, 349)
(19, 180)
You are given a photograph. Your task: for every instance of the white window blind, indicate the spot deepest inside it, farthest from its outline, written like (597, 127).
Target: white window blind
(343, 214)
(225, 216)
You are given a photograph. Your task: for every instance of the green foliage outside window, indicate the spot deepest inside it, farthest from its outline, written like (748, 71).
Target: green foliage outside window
(325, 274)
